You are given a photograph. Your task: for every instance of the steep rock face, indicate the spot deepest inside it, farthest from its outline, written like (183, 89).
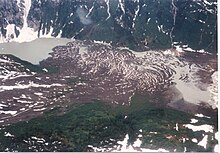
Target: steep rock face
(137, 24)
(11, 13)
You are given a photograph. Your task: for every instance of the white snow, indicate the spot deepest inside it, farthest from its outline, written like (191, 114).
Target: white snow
(203, 142)
(205, 127)
(148, 20)
(47, 34)
(22, 109)
(24, 86)
(179, 48)
(129, 148)
(38, 93)
(201, 115)
(169, 52)
(12, 74)
(193, 120)
(124, 147)
(184, 149)
(45, 70)
(38, 110)
(124, 143)
(216, 148)
(209, 3)
(184, 48)
(176, 127)
(3, 105)
(213, 89)
(40, 140)
(7, 134)
(137, 143)
(194, 140)
(151, 150)
(90, 11)
(8, 112)
(23, 96)
(121, 5)
(202, 21)
(26, 33)
(101, 42)
(108, 9)
(10, 31)
(135, 16)
(153, 132)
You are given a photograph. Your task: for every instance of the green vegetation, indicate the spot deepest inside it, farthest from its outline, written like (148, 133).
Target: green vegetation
(101, 125)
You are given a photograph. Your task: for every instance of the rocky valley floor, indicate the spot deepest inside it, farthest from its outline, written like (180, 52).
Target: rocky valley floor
(161, 100)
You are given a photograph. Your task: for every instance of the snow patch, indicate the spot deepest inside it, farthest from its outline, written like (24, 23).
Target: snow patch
(25, 86)
(205, 127)
(194, 140)
(7, 134)
(26, 33)
(204, 141)
(201, 115)
(8, 112)
(193, 120)
(108, 9)
(121, 5)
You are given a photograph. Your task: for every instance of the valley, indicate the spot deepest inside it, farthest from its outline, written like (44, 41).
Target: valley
(108, 76)
(86, 73)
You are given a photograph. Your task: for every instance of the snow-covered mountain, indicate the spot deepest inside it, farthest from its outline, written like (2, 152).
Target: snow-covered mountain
(138, 24)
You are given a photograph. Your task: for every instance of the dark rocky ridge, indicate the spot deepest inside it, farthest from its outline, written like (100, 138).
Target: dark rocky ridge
(136, 24)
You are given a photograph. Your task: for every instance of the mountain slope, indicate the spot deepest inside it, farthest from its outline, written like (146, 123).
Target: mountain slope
(138, 24)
